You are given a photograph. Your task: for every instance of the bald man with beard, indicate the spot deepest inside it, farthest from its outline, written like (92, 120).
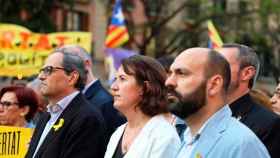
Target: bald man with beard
(200, 88)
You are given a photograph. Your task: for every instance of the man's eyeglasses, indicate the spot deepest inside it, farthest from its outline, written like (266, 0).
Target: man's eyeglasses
(48, 70)
(7, 103)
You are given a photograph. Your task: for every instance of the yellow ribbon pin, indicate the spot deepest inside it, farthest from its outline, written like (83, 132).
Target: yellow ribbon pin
(59, 124)
(198, 155)
(19, 76)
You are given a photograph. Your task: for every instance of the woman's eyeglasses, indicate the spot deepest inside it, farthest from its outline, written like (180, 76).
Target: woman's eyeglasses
(48, 70)
(7, 103)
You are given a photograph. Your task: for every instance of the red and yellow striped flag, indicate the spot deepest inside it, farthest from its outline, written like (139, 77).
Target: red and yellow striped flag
(117, 33)
(215, 40)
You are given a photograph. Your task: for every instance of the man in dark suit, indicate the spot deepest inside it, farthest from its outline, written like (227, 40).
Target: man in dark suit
(244, 65)
(73, 128)
(95, 92)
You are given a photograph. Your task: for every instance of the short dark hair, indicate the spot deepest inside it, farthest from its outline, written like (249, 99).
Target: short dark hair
(72, 62)
(217, 64)
(147, 70)
(246, 57)
(25, 96)
(166, 61)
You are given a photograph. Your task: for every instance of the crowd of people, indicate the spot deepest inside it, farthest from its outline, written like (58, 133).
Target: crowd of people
(199, 104)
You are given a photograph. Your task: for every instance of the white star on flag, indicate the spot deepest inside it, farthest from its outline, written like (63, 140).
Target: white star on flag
(119, 16)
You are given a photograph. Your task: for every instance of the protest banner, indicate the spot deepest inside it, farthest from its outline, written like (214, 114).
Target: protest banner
(22, 52)
(14, 141)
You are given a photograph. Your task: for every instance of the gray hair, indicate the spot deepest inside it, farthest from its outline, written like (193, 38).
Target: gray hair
(219, 65)
(72, 62)
(247, 57)
(76, 50)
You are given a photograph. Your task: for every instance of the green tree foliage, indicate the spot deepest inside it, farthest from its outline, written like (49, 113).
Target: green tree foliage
(33, 14)
(251, 22)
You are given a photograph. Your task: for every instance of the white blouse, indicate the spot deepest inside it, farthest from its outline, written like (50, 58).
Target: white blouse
(157, 139)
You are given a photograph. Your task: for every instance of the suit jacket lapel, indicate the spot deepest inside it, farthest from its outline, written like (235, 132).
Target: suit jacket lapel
(241, 107)
(37, 133)
(212, 132)
(67, 114)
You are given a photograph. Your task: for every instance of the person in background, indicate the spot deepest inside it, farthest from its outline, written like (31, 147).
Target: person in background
(166, 61)
(244, 64)
(18, 104)
(275, 100)
(180, 125)
(71, 127)
(201, 101)
(139, 94)
(96, 94)
(42, 101)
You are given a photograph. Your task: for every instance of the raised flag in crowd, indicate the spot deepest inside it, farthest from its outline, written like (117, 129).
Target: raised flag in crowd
(215, 40)
(117, 32)
(117, 35)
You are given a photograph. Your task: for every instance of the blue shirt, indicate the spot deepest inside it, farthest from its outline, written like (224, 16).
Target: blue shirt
(224, 137)
(30, 125)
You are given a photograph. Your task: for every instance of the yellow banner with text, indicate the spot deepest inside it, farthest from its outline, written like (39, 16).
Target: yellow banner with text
(22, 53)
(14, 141)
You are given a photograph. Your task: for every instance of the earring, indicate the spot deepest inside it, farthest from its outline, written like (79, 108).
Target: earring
(22, 114)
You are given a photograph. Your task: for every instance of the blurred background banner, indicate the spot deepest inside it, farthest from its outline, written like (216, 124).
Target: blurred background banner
(22, 53)
(14, 141)
(13, 27)
(117, 35)
(118, 54)
(114, 58)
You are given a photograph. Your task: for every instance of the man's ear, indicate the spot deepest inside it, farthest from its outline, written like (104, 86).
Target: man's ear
(73, 78)
(214, 85)
(247, 73)
(88, 63)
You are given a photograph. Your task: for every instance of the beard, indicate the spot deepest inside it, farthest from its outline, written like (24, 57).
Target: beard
(234, 84)
(185, 105)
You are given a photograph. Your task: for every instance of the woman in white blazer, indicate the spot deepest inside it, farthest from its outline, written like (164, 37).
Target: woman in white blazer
(139, 93)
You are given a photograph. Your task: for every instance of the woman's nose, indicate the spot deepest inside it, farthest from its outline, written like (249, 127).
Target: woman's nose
(114, 86)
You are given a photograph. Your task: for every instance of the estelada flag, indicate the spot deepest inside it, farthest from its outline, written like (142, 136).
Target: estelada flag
(215, 40)
(117, 32)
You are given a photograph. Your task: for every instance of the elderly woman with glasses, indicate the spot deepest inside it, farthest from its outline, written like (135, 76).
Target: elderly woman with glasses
(18, 104)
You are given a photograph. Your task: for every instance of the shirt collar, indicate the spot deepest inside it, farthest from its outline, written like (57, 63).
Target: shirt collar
(192, 139)
(179, 121)
(62, 104)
